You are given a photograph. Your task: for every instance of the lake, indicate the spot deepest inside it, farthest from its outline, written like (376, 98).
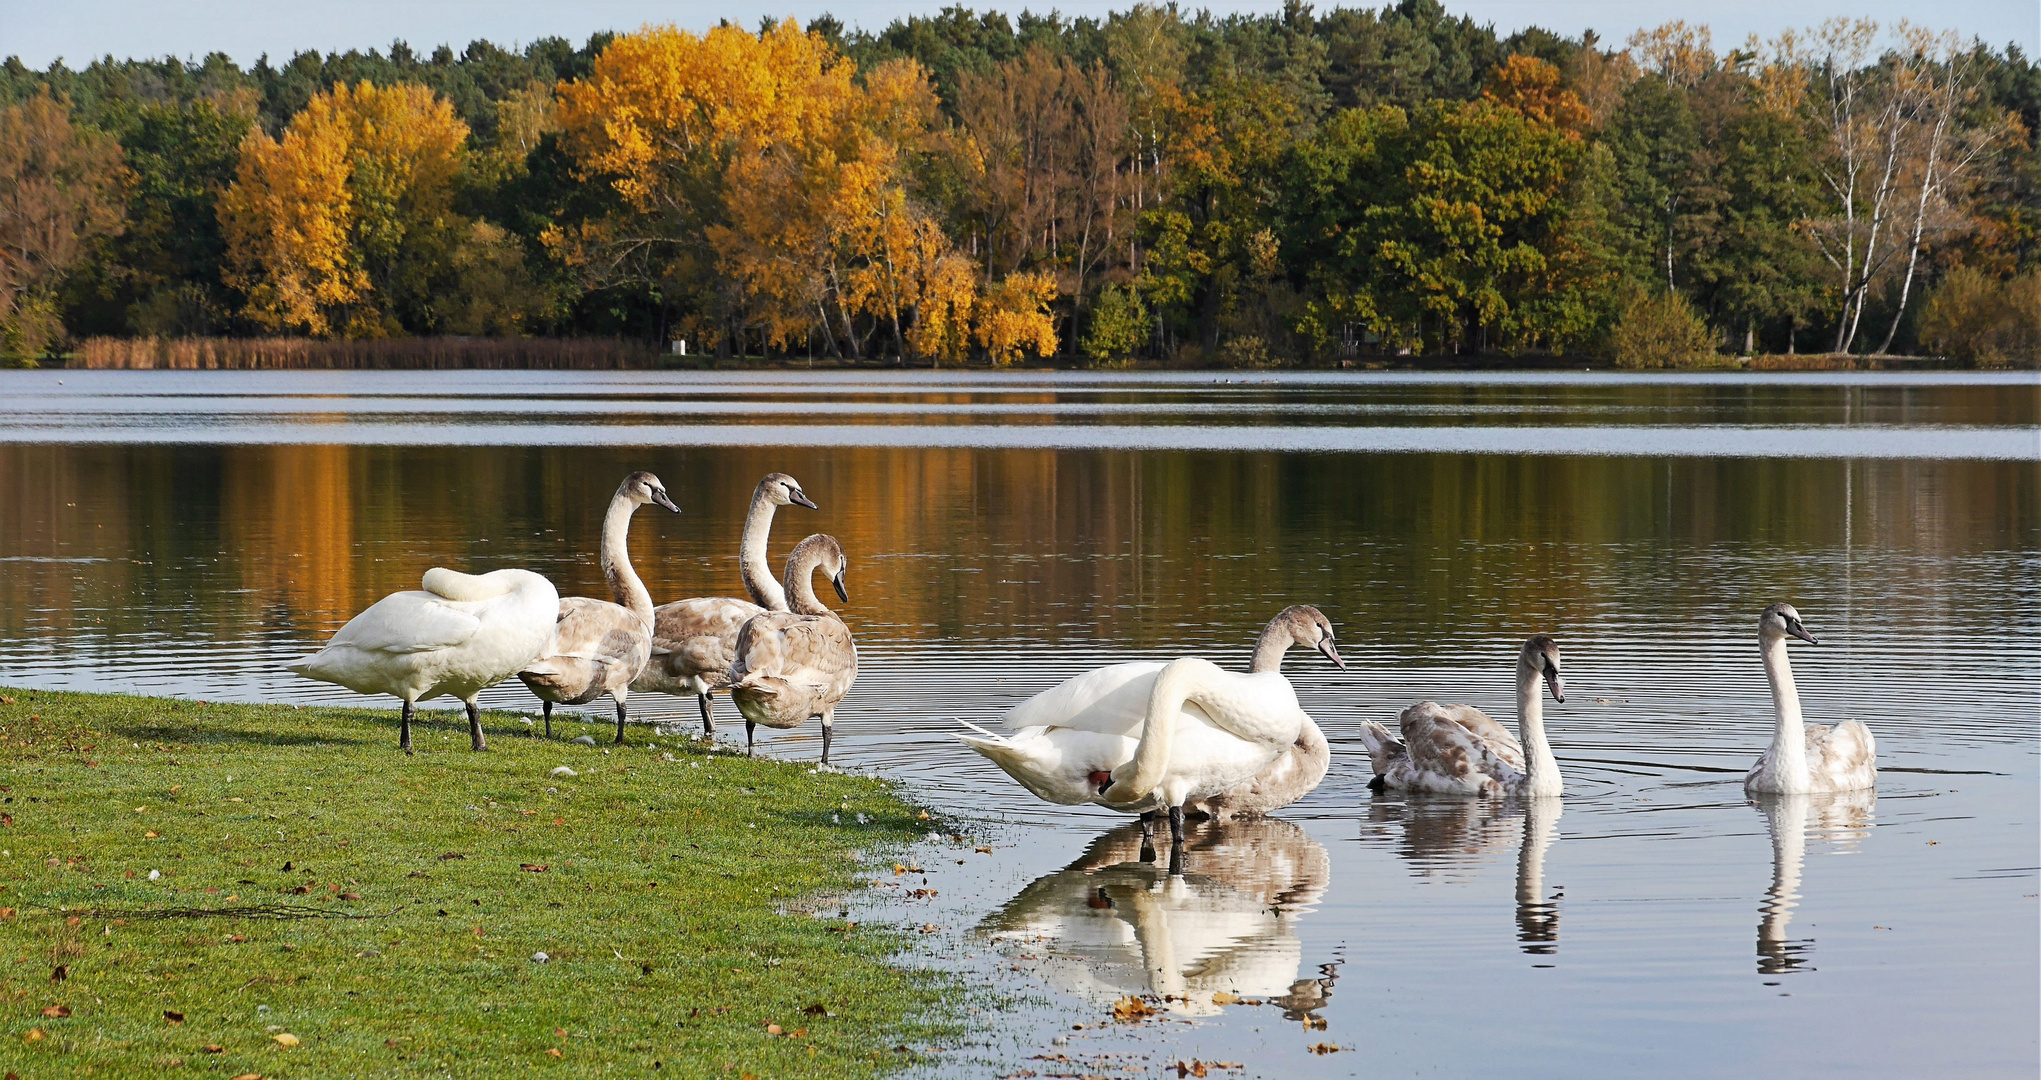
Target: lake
(183, 533)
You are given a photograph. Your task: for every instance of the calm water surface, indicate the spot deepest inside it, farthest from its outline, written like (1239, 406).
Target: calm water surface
(183, 533)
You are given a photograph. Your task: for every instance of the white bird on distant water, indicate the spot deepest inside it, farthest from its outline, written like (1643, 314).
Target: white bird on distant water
(1805, 760)
(1144, 737)
(1460, 750)
(598, 647)
(459, 634)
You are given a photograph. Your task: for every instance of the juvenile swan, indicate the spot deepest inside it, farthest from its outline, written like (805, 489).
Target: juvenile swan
(599, 647)
(1460, 750)
(1296, 772)
(458, 635)
(792, 665)
(694, 641)
(1142, 737)
(1805, 760)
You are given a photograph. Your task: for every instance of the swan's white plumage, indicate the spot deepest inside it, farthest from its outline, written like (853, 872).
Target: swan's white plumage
(1804, 759)
(1460, 750)
(458, 635)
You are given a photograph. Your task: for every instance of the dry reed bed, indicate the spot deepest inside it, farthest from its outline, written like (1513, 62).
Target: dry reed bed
(423, 353)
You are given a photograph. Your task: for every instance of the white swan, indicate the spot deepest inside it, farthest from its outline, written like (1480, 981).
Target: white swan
(1460, 750)
(458, 635)
(598, 647)
(694, 641)
(1805, 760)
(1141, 737)
(1296, 772)
(792, 665)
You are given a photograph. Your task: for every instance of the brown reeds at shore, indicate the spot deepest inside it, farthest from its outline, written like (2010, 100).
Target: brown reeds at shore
(419, 353)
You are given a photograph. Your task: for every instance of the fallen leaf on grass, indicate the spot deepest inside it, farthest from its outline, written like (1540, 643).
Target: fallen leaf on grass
(1132, 1010)
(249, 1076)
(150, 835)
(213, 1048)
(73, 921)
(798, 1033)
(32, 1035)
(285, 1039)
(817, 1009)
(1324, 1048)
(58, 1011)
(6, 912)
(452, 855)
(531, 867)
(173, 1016)
(772, 1029)
(552, 1051)
(350, 896)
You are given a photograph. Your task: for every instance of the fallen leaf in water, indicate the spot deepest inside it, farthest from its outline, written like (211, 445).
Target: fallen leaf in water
(899, 869)
(929, 928)
(58, 1011)
(772, 1029)
(1132, 1010)
(1189, 1068)
(1323, 1048)
(1221, 997)
(1314, 1023)
(173, 1016)
(285, 1039)
(531, 867)
(984, 851)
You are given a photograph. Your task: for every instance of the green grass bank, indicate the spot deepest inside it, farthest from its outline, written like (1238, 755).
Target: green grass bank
(324, 905)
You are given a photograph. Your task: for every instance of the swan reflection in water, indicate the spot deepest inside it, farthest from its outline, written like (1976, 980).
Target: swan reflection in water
(1448, 838)
(1112, 924)
(1845, 819)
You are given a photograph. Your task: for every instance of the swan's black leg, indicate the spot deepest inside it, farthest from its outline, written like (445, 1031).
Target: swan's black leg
(749, 734)
(1176, 839)
(828, 729)
(549, 718)
(1148, 836)
(475, 739)
(708, 713)
(620, 723)
(404, 730)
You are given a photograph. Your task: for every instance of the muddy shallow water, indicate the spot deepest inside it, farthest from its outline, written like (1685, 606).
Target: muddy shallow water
(184, 532)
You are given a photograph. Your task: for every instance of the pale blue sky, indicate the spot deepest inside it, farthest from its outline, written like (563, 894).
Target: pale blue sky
(40, 31)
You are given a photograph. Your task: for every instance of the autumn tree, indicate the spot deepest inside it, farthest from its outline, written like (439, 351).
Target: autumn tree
(345, 227)
(61, 189)
(1533, 88)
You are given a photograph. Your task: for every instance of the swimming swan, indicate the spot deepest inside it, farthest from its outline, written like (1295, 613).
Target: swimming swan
(1296, 772)
(792, 665)
(1460, 750)
(1805, 760)
(694, 641)
(598, 647)
(458, 635)
(1140, 737)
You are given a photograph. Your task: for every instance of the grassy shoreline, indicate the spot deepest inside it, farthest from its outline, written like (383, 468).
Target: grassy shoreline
(655, 881)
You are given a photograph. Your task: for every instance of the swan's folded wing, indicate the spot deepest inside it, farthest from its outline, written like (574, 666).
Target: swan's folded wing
(407, 622)
(595, 629)
(1440, 744)
(1487, 729)
(1109, 700)
(704, 616)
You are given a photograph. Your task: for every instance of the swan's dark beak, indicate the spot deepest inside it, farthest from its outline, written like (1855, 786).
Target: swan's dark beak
(841, 593)
(1331, 652)
(659, 496)
(1557, 684)
(801, 499)
(1794, 628)
(1102, 780)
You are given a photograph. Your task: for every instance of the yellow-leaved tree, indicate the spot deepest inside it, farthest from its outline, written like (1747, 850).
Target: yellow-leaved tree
(345, 226)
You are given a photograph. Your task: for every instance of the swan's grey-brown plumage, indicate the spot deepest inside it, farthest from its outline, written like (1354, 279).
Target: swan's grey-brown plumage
(1805, 759)
(598, 647)
(797, 664)
(1460, 750)
(695, 641)
(1296, 772)
(457, 634)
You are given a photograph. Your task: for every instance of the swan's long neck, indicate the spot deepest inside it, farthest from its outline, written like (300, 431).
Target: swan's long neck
(801, 586)
(1276, 639)
(1173, 687)
(1789, 738)
(1540, 767)
(758, 579)
(616, 559)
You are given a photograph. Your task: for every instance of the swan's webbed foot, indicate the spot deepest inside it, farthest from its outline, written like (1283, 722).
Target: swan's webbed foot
(404, 729)
(708, 712)
(620, 723)
(549, 718)
(476, 741)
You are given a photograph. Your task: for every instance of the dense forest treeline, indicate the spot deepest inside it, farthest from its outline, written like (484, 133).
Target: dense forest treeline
(1254, 190)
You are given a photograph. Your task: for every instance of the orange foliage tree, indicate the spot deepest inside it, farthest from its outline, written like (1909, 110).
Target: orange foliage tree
(1534, 89)
(344, 227)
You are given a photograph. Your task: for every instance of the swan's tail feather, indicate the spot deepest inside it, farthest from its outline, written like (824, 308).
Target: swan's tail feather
(993, 735)
(1382, 746)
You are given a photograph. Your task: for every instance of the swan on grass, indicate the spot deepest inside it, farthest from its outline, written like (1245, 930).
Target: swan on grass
(793, 665)
(694, 641)
(598, 647)
(1460, 750)
(459, 634)
(1295, 772)
(1805, 760)
(1144, 737)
